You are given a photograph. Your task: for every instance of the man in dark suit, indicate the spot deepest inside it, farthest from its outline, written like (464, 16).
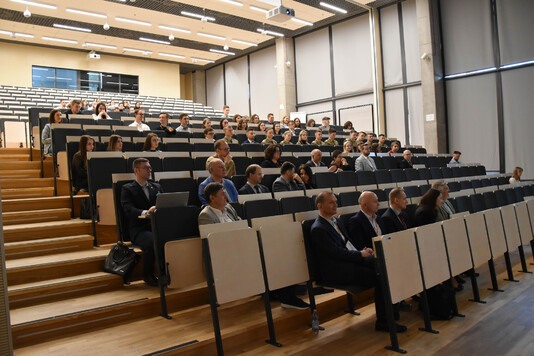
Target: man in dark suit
(254, 177)
(339, 261)
(406, 160)
(138, 200)
(315, 160)
(288, 179)
(365, 225)
(395, 219)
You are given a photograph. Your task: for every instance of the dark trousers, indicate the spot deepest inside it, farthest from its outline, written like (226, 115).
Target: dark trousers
(144, 240)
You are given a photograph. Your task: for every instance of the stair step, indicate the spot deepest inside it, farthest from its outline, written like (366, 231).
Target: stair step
(19, 193)
(21, 173)
(24, 295)
(15, 157)
(33, 248)
(41, 268)
(34, 216)
(35, 231)
(16, 151)
(19, 165)
(36, 203)
(27, 183)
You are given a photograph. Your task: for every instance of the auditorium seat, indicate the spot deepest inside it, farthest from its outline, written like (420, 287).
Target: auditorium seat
(389, 162)
(203, 147)
(477, 203)
(171, 164)
(268, 180)
(178, 147)
(292, 205)
(383, 176)
(465, 184)
(241, 163)
(501, 198)
(170, 185)
(435, 173)
(349, 198)
(366, 178)
(239, 180)
(325, 179)
(378, 162)
(454, 186)
(347, 179)
(261, 208)
(412, 191)
(463, 203)
(446, 172)
(511, 196)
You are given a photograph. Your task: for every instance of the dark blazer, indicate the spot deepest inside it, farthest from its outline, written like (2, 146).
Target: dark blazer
(424, 216)
(361, 230)
(336, 264)
(79, 173)
(404, 164)
(270, 164)
(311, 164)
(247, 189)
(281, 185)
(134, 201)
(169, 130)
(392, 223)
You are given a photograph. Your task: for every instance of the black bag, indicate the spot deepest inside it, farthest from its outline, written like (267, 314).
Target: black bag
(441, 302)
(121, 260)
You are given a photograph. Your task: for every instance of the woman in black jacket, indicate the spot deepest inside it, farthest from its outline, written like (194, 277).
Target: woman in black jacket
(427, 211)
(272, 157)
(79, 164)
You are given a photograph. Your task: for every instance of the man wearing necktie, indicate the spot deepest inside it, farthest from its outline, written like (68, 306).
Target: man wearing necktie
(339, 260)
(365, 225)
(395, 218)
(254, 177)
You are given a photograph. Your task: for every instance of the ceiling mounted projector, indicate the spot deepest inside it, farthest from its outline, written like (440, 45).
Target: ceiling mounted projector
(280, 14)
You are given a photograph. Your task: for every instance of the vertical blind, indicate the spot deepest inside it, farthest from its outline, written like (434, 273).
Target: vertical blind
(263, 82)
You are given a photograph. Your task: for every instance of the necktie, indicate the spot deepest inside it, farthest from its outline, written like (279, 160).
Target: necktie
(256, 189)
(403, 222)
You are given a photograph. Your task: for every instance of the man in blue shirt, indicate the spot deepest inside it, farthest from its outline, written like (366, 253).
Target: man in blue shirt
(217, 174)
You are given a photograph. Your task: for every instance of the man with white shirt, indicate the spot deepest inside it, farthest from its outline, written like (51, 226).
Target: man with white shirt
(184, 122)
(139, 115)
(217, 210)
(365, 224)
(364, 162)
(226, 111)
(338, 259)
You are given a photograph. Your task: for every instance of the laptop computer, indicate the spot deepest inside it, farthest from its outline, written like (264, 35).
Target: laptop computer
(171, 200)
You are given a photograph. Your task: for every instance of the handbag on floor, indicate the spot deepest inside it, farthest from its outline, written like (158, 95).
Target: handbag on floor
(121, 260)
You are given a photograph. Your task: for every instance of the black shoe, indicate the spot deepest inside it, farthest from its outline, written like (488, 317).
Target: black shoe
(459, 287)
(403, 306)
(294, 302)
(459, 280)
(151, 281)
(321, 290)
(384, 327)
(300, 289)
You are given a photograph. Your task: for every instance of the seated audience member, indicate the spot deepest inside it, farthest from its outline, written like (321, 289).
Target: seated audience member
(79, 164)
(287, 138)
(331, 138)
(251, 134)
(241, 125)
(228, 134)
(217, 174)
(361, 138)
(111, 105)
(62, 104)
(446, 209)
(427, 211)
(326, 124)
(395, 146)
(100, 112)
(318, 138)
(270, 118)
(348, 126)
(316, 159)
(75, 107)
(222, 152)
(138, 198)
(365, 224)
(339, 162)
(395, 218)
(291, 128)
(255, 119)
(347, 148)
(253, 186)
(269, 133)
(261, 127)
(184, 122)
(340, 261)
(84, 104)
(277, 129)
(206, 123)
(226, 112)
(120, 108)
(139, 115)
(137, 105)
(303, 138)
(272, 157)
(236, 118)
(115, 143)
(164, 125)
(370, 138)
(209, 133)
(516, 175)
(285, 122)
(406, 161)
(151, 143)
(306, 175)
(298, 125)
(352, 138)
(46, 135)
(364, 162)
(382, 142)
(456, 157)
(288, 179)
(218, 210)
(374, 148)
(310, 123)
(223, 123)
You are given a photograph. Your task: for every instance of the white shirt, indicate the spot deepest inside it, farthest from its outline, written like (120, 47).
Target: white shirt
(513, 180)
(374, 224)
(222, 216)
(182, 128)
(141, 127)
(348, 244)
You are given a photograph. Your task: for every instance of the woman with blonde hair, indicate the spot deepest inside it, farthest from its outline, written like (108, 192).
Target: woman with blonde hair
(516, 175)
(303, 138)
(151, 143)
(287, 138)
(115, 143)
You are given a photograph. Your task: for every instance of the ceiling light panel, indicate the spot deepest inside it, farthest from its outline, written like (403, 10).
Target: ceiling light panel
(136, 50)
(304, 22)
(137, 22)
(55, 39)
(222, 52)
(272, 33)
(198, 16)
(233, 2)
(259, 9)
(154, 40)
(91, 44)
(211, 36)
(88, 13)
(332, 7)
(245, 43)
(72, 28)
(175, 29)
(35, 3)
(202, 60)
(171, 55)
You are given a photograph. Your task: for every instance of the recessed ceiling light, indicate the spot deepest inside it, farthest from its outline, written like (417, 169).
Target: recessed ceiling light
(17, 34)
(272, 33)
(154, 41)
(307, 23)
(252, 7)
(198, 16)
(245, 43)
(58, 40)
(137, 50)
(100, 45)
(82, 12)
(170, 28)
(211, 36)
(222, 52)
(72, 28)
(332, 7)
(38, 4)
(3, 32)
(170, 55)
(137, 22)
(233, 2)
(202, 60)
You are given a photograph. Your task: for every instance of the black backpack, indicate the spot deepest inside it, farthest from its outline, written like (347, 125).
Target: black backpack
(441, 302)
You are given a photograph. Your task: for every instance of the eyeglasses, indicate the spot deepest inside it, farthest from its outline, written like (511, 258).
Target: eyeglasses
(146, 168)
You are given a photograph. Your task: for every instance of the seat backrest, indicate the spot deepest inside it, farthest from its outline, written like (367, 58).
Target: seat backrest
(175, 223)
(500, 196)
(122, 221)
(389, 162)
(239, 180)
(170, 185)
(241, 164)
(411, 174)
(511, 229)
(454, 186)
(268, 180)
(463, 203)
(412, 191)
(495, 232)
(510, 196)
(178, 147)
(382, 176)
(260, 208)
(347, 179)
(366, 178)
(435, 173)
(432, 254)
(465, 184)
(490, 200)
(100, 170)
(326, 179)
(349, 198)
(177, 164)
(458, 249)
(310, 253)
(477, 202)
(399, 175)
(294, 205)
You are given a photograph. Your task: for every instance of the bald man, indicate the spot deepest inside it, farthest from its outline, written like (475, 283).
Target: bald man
(406, 160)
(365, 224)
(217, 174)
